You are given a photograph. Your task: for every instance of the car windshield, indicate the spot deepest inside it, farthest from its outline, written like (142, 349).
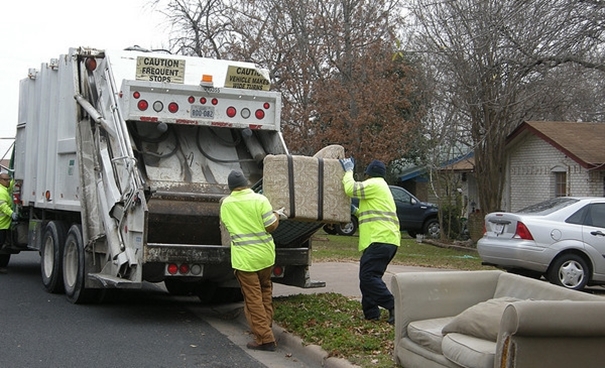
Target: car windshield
(549, 206)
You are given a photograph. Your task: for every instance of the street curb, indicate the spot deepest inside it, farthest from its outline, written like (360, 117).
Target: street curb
(312, 353)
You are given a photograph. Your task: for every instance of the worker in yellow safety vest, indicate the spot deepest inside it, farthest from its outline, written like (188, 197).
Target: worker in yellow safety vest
(249, 218)
(379, 235)
(7, 215)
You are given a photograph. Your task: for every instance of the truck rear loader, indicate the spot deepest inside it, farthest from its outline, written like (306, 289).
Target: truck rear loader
(119, 164)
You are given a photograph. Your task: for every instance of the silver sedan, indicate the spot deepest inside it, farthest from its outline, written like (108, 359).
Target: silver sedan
(562, 239)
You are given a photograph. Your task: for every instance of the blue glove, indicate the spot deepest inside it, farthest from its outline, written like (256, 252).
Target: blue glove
(14, 216)
(347, 163)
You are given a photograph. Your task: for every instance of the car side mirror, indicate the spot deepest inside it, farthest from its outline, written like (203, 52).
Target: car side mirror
(413, 201)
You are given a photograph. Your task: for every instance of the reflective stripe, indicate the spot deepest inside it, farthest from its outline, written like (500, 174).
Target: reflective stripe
(359, 190)
(250, 239)
(372, 215)
(268, 218)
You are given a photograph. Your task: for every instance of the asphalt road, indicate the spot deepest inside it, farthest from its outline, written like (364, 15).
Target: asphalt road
(138, 328)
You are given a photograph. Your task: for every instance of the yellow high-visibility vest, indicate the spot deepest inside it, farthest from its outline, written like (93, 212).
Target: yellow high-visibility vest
(377, 213)
(246, 214)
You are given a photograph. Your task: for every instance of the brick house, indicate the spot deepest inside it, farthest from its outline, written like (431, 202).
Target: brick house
(548, 159)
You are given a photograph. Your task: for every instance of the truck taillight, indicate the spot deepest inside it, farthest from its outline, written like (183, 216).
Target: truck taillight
(203, 100)
(172, 269)
(260, 114)
(191, 99)
(184, 269)
(142, 105)
(278, 271)
(266, 105)
(215, 101)
(173, 107)
(136, 95)
(231, 111)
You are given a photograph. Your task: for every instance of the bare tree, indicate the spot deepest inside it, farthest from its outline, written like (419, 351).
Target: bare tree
(332, 60)
(492, 60)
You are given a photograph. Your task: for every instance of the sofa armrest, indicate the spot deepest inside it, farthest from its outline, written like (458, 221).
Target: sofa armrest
(426, 295)
(566, 332)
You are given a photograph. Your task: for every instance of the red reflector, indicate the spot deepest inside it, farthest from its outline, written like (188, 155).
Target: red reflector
(215, 101)
(266, 105)
(142, 105)
(91, 64)
(278, 271)
(173, 107)
(522, 232)
(191, 99)
(136, 94)
(260, 114)
(203, 100)
(173, 269)
(231, 111)
(184, 268)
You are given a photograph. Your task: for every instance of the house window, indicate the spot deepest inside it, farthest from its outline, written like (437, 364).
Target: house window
(560, 184)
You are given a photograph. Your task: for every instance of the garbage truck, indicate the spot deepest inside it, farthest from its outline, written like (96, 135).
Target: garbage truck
(120, 161)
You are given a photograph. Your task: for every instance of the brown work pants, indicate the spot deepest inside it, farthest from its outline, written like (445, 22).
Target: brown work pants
(257, 289)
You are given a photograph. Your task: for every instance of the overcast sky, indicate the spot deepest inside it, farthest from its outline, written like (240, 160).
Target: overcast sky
(34, 31)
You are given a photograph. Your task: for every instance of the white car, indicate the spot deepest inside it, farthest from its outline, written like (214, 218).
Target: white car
(562, 239)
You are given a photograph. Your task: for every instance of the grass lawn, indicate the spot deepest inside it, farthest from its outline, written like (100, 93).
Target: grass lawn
(336, 322)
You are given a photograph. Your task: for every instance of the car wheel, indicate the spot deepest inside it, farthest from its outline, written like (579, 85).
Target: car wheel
(348, 229)
(569, 271)
(432, 229)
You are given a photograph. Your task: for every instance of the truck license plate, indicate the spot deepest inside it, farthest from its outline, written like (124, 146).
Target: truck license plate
(202, 112)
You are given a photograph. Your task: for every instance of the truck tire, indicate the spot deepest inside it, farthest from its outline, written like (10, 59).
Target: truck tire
(74, 270)
(51, 252)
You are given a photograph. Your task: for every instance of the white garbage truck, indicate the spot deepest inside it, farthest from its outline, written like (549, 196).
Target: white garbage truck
(120, 161)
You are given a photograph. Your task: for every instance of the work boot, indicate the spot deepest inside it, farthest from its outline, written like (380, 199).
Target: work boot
(268, 346)
(391, 319)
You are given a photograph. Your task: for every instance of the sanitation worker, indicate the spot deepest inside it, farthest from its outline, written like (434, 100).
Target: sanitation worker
(249, 218)
(6, 209)
(379, 236)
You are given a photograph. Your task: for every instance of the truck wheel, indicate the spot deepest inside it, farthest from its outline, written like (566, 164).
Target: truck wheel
(52, 256)
(74, 270)
(4, 258)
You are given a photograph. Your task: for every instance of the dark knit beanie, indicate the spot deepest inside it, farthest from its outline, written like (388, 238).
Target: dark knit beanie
(376, 168)
(236, 179)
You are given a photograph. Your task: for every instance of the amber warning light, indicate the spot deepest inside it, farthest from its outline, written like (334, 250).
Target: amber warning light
(206, 81)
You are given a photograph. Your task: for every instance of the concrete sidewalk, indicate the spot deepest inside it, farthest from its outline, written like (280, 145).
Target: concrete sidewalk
(342, 278)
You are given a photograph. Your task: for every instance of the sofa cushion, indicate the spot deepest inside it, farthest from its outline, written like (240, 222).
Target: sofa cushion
(427, 333)
(482, 320)
(468, 351)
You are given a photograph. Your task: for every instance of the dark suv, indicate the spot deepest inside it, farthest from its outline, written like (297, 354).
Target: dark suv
(415, 217)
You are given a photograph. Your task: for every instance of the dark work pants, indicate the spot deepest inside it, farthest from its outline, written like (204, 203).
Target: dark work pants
(374, 292)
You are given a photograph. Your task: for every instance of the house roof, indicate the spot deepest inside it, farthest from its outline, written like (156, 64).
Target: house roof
(582, 142)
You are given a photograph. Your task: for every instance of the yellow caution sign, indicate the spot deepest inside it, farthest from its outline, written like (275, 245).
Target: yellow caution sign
(154, 69)
(246, 78)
